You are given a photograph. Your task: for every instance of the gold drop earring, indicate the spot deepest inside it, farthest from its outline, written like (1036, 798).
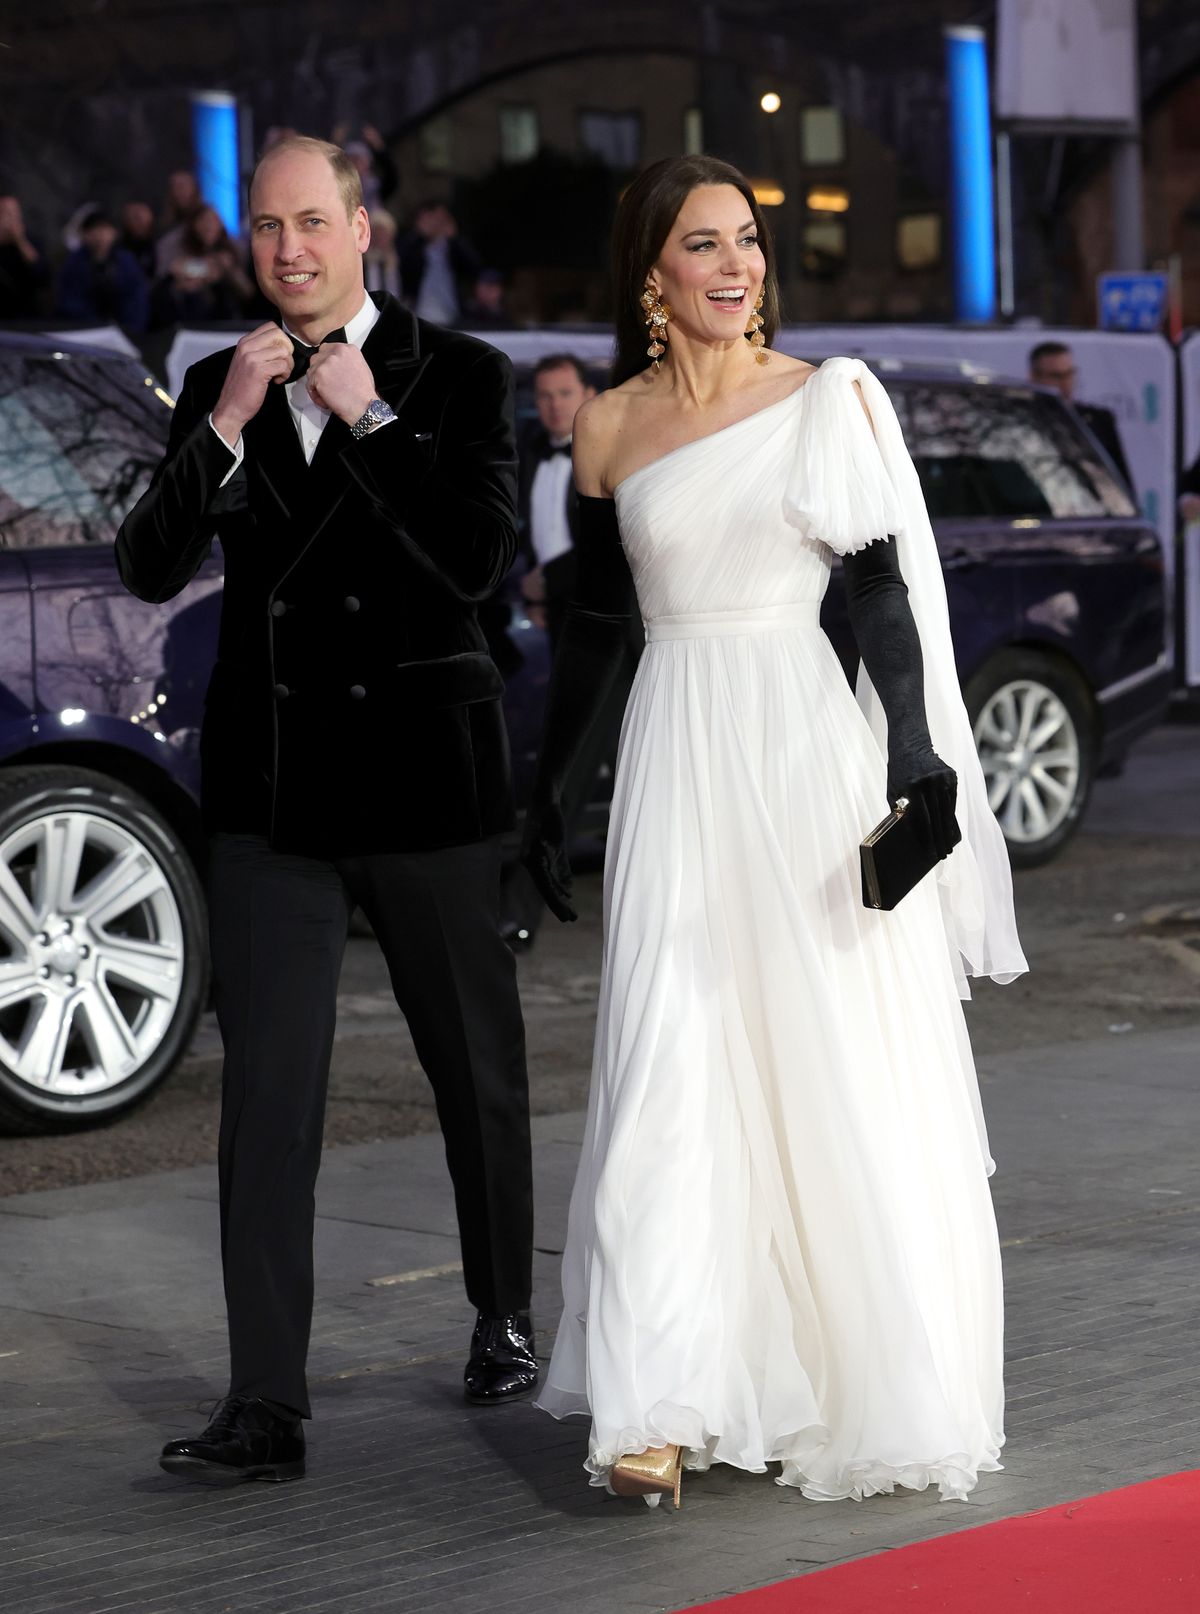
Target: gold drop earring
(657, 315)
(754, 332)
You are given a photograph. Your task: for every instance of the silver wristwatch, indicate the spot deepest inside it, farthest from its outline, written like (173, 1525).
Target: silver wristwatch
(376, 414)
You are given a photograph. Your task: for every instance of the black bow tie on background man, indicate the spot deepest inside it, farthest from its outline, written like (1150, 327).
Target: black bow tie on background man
(302, 354)
(549, 449)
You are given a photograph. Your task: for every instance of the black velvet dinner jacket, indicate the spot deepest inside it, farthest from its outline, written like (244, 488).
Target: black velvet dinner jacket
(353, 707)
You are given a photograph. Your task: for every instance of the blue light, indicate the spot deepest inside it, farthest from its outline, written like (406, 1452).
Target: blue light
(971, 175)
(215, 139)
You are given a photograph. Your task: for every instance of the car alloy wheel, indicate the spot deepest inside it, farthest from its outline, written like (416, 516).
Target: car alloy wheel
(1035, 727)
(1031, 756)
(102, 966)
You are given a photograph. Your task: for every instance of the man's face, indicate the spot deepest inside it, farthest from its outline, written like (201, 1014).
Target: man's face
(307, 253)
(558, 394)
(100, 239)
(182, 190)
(139, 220)
(1055, 370)
(427, 223)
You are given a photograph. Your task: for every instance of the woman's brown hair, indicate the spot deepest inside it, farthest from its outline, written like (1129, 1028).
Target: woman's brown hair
(645, 215)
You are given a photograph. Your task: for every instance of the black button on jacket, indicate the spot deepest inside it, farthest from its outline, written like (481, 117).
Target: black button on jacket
(354, 707)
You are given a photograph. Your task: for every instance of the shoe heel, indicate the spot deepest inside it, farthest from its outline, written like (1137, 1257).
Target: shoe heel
(650, 1474)
(278, 1473)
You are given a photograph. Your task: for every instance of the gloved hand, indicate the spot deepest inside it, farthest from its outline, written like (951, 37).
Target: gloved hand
(544, 854)
(931, 795)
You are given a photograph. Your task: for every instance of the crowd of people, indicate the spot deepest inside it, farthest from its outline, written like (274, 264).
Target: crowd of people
(146, 269)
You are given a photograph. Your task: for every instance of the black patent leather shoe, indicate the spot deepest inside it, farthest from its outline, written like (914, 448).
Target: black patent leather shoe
(245, 1440)
(502, 1365)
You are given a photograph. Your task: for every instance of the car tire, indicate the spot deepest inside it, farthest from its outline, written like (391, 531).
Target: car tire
(1034, 727)
(103, 950)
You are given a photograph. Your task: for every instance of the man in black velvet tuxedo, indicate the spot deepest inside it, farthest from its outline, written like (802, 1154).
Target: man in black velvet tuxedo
(358, 467)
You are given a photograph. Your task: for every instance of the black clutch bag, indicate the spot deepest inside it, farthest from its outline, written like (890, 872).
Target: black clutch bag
(894, 857)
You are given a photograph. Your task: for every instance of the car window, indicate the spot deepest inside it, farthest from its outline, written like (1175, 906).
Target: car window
(79, 440)
(998, 451)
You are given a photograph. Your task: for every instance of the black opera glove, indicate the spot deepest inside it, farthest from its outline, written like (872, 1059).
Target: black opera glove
(890, 648)
(590, 652)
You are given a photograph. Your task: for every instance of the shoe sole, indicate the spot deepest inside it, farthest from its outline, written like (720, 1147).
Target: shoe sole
(498, 1400)
(195, 1468)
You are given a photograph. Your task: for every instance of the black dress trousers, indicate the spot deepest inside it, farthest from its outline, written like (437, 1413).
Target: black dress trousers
(278, 926)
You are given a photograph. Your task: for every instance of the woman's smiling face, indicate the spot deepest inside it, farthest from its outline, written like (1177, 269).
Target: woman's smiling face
(711, 268)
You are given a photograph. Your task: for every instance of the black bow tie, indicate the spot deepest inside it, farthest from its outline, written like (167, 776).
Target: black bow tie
(551, 449)
(302, 354)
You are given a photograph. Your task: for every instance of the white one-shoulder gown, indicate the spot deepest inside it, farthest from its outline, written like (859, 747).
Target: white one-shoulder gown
(781, 1244)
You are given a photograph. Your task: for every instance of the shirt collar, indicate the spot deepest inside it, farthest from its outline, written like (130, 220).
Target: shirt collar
(357, 329)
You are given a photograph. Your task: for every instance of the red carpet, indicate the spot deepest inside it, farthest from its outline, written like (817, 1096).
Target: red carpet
(1133, 1551)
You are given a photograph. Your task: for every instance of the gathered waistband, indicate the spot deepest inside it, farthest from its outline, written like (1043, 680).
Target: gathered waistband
(707, 624)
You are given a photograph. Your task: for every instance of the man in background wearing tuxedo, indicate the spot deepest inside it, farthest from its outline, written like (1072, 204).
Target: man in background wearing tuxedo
(548, 508)
(1052, 364)
(359, 469)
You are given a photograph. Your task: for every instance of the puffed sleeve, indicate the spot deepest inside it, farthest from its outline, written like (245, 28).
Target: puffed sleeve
(838, 489)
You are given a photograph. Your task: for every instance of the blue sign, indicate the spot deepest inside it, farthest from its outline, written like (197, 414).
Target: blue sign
(1133, 301)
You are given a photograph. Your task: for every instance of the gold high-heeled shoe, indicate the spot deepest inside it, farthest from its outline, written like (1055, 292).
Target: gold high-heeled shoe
(650, 1474)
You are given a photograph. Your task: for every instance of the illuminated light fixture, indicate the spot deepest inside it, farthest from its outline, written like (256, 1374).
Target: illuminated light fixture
(164, 397)
(974, 257)
(71, 715)
(770, 102)
(828, 199)
(767, 193)
(215, 142)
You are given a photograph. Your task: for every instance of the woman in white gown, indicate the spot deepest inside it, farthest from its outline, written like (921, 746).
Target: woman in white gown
(781, 1246)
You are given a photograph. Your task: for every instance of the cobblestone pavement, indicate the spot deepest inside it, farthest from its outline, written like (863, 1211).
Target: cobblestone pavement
(111, 1341)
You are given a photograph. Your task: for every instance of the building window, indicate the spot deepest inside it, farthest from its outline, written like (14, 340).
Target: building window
(827, 199)
(693, 132)
(518, 133)
(919, 241)
(822, 136)
(615, 137)
(436, 145)
(823, 248)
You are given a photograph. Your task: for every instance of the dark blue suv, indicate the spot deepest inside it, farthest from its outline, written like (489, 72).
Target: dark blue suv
(1056, 596)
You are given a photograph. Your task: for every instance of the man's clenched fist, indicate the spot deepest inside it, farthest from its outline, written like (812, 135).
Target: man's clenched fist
(340, 380)
(265, 355)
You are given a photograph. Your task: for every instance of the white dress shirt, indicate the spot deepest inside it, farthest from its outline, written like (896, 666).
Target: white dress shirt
(437, 295)
(549, 531)
(308, 417)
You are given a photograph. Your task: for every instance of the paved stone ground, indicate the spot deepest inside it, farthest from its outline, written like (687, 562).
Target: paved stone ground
(111, 1341)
